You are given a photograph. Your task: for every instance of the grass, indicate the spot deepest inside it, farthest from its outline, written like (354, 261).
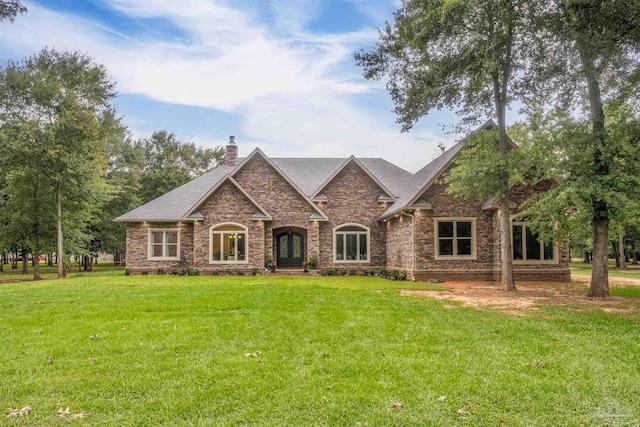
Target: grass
(166, 350)
(632, 271)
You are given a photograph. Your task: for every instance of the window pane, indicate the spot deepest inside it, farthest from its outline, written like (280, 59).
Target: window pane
(156, 250)
(172, 250)
(445, 229)
(172, 237)
(517, 242)
(463, 229)
(363, 247)
(242, 247)
(339, 247)
(284, 246)
(445, 247)
(548, 251)
(297, 246)
(352, 247)
(228, 242)
(533, 245)
(464, 246)
(156, 237)
(216, 250)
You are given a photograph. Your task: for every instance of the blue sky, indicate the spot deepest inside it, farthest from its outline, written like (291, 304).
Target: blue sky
(278, 74)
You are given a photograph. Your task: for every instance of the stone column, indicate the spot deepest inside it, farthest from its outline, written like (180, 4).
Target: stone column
(313, 239)
(196, 228)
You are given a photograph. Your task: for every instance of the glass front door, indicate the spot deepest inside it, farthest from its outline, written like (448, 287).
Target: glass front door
(290, 247)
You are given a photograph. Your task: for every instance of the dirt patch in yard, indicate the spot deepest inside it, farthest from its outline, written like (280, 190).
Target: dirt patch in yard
(530, 296)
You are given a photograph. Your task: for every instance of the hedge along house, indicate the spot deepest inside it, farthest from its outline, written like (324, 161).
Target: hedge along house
(352, 214)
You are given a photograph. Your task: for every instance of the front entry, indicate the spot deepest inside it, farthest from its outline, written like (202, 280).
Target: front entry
(289, 248)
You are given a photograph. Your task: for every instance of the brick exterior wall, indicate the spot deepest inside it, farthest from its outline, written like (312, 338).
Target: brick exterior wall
(487, 264)
(138, 247)
(353, 198)
(399, 248)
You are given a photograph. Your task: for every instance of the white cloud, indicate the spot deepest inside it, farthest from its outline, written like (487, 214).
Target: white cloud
(293, 88)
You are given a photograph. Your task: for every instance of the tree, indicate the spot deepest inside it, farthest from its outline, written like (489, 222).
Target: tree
(457, 54)
(54, 118)
(9, 9)
(585, 55)
(169, 163)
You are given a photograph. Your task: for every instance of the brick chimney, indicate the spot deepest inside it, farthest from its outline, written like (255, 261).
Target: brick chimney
(231, 156)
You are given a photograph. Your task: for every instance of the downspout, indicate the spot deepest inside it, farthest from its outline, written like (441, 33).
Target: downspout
(413, 246)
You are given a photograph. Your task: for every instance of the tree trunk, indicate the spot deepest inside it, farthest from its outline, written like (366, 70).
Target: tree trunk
(36, 231)
(2, 263)
(634, 258)
(50, 260)
(506, 254)
(585, 259)
(621, 254)
(600, 219)
(25, 262)
(600, 273)
(59, 255)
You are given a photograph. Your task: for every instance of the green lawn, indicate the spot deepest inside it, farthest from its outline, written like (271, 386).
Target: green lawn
(632, 271)
(166, 350)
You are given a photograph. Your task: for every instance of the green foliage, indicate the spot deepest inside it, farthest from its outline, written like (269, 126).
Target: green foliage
(189, 272)
(331, 272)
(255, 271)
(313, 262)
(9, 9)
(476, 171)
(56, 122)
(168, 163)
(160, 272)
(565, 148)
(127, 272)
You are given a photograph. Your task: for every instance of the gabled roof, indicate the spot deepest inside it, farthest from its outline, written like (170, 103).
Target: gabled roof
(261, 214)
(426, 176)
(173, 205)
(344, 164)
(311, 173)
(257, 152)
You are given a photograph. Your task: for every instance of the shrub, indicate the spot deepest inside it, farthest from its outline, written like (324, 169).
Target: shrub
(351, 272)
(402, 276)
(189, 272)
(160, 272)
(240, 273)
(313, 262)
(254, 271)
(127, 272)
(331, 271)
(228, 272)
(384, 273)
(144, 273)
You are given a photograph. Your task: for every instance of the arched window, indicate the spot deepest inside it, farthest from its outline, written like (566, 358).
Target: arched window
(228, 244)
(351, 243)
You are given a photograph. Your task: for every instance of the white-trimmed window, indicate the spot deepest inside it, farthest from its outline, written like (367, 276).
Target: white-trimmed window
(351, 243)
(164, 244)
(527, 247)
(455, 238)
(228, 244)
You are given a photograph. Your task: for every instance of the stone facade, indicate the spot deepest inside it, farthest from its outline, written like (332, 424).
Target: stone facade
(352, 198)
(281, 200)
(404, 242)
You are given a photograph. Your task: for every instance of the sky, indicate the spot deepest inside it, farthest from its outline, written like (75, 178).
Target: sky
(276, 74)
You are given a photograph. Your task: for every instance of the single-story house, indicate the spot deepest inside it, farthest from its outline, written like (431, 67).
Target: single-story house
(357, 214)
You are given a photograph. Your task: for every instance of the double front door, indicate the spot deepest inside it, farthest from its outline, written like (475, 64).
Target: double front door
(290, 249)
